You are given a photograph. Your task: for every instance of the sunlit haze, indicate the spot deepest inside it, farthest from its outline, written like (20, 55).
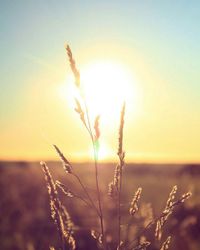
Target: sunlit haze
(143, 53)
(106, 86)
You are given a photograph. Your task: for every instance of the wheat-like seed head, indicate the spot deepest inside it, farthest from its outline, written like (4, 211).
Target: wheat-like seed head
(54, 204)
(50, 183)
(185, 197)
(158, 230)
(72, 242)
(80, 111)
(134, 204)
(64, 189)
(113, 187)
(116, 176)
(66, 165)
(171, 197)
(170, 205)
(165, 245)
(112, 191)
(96, 235)
(166, 213)
(66, 220)
(73, 66)
(144, 245)
(120, 140)
(59, 213)
(96, 128)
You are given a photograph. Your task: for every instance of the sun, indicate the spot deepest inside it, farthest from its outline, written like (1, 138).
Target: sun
(106, 86)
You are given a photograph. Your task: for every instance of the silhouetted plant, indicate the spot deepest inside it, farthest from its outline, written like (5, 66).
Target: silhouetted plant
(59, 213)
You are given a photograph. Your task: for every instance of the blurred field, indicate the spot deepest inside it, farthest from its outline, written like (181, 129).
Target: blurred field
(25, 221)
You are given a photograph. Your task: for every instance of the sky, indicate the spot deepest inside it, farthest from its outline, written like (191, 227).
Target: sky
(157, 41)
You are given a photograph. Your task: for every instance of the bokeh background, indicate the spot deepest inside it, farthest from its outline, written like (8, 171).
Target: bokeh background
(25, 213)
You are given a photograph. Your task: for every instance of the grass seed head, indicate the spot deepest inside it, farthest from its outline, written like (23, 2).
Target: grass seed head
(121, 128)
(142, 246)
(64, 189)
(134, 204)
(80, 111)
(73, 66)
(171, 197)
(96, 128)
(66, 165)
(158, 230)
(112, 191)
(97, 236)
(165, 245)
(59, 213)
(117, 175)
(185, 196)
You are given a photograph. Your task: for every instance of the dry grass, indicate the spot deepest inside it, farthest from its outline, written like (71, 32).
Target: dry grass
(121, 240)
(26, 221)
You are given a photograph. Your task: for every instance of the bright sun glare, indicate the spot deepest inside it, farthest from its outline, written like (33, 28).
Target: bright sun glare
(106, 85)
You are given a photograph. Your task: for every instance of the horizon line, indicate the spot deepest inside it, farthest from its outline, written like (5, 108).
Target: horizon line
(155, 162)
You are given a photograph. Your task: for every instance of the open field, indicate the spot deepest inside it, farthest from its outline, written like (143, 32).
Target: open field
(25, 215)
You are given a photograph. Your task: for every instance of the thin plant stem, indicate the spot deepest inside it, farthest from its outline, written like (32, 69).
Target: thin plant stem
(88, 127)
(96, 173)
(127, 231)
(142, 232)
(88, 120)
(98, 195)
(87, 203)
(119, 208)
(121, 156)
(86, 192)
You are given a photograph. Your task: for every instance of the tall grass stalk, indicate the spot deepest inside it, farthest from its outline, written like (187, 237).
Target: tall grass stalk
(94, 138)
(121, 156)
(59, 213)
